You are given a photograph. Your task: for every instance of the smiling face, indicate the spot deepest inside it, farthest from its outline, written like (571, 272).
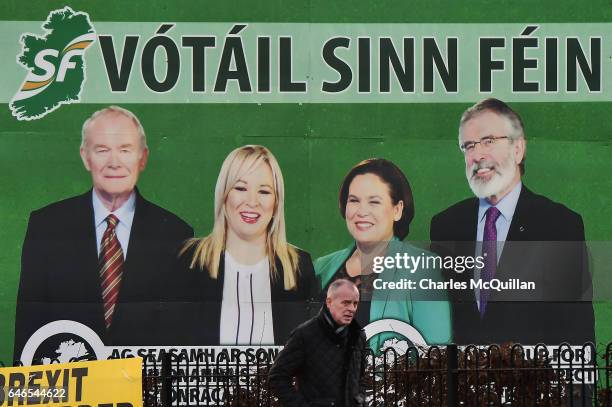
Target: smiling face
(249, 206)
(342, 303)
(492, 172)
(114, 155)
(370, 211)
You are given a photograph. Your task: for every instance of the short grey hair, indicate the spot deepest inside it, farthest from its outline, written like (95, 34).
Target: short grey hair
(336, 284)
(119, 110)
(517, 129)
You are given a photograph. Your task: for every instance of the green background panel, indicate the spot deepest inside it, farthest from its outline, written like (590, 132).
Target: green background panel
(426, 11)
(569, 158)
(569, 153)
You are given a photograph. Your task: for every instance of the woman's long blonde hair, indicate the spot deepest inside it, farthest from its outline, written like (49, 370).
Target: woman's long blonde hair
(208, 249)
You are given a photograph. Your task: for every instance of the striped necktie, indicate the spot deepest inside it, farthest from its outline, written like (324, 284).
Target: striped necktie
(111, 268)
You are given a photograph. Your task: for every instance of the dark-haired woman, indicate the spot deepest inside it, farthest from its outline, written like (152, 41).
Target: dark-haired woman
(376, 201)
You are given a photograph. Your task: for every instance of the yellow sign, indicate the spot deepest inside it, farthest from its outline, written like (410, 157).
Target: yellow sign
(105, 383)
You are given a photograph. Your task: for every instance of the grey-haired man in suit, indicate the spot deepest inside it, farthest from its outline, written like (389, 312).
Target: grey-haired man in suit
(101, 258)
(522, 236)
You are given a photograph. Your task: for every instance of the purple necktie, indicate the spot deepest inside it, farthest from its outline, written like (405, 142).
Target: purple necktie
(489, 251)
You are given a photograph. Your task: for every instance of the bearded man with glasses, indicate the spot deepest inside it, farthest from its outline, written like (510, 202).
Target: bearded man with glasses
(520, 236)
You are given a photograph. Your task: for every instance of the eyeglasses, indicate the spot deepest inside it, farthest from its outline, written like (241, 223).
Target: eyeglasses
(486, 143)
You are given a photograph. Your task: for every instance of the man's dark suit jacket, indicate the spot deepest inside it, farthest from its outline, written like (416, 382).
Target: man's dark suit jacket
(545, 244)
(60, 277)
(192, 313)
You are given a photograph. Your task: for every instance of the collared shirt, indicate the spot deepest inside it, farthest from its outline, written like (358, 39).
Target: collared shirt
(125, 214)
(506, 207)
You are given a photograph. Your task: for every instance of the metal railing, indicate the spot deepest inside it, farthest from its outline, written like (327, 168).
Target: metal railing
(496, 375)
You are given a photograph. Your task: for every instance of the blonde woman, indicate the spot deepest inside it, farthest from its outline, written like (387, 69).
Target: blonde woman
(248, 285)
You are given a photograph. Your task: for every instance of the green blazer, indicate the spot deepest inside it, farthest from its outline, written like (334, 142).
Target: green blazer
(427, 312)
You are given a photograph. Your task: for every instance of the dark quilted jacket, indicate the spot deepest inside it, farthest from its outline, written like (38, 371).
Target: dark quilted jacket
(328, 367)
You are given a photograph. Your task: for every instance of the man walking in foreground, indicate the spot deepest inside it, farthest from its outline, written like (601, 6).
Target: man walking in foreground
(325, 355)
